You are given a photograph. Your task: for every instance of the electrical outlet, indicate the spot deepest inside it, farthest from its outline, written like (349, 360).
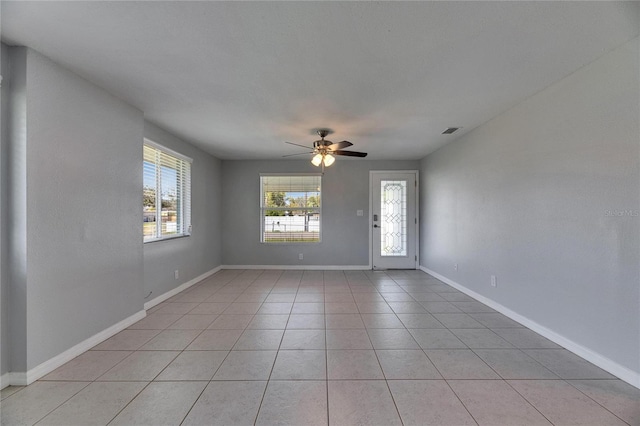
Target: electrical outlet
(455, 266)
(359, 212)
(176, 274)
(300, 256)
(494, 281)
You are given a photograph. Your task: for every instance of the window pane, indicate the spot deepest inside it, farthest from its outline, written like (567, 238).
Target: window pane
(149, 194)
(169, 194)
(290, 208)
(293, 228)
(166, 194)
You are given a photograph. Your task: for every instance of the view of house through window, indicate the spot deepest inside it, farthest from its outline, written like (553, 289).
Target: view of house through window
(166, 193)
(290, 208)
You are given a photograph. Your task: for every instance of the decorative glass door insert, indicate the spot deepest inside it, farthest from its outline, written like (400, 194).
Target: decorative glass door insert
(393, 215)
(394, 219)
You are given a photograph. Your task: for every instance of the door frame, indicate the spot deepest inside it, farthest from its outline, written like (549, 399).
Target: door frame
(417, 212)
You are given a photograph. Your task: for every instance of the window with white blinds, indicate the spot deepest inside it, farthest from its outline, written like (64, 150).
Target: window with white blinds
(290, 208)
(166, 193)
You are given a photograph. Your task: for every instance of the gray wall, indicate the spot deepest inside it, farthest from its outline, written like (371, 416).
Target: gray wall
(201, 252)
(526, 197)
(15, 184)
(71, 197)
(345, 236)
(80, 170)
(4, 163)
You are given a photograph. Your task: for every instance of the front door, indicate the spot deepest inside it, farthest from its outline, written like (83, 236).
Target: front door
(394, 219)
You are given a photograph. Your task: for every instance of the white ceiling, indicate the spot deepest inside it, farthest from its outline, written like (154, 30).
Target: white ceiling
(239, 78)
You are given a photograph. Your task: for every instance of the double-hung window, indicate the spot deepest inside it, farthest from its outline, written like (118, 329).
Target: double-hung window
(166, 193)
(290, 208)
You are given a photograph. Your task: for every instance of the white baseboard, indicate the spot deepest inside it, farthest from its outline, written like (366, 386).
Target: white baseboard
(26, 378)
(302, 267)
(7, 379)
(12, 379)
(164, 296)
(624, 373)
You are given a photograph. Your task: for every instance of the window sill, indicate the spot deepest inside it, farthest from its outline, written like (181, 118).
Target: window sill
(290, 243)
(172, 237)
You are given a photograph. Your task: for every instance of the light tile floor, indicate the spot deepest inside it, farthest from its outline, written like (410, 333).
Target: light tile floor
(316, 347)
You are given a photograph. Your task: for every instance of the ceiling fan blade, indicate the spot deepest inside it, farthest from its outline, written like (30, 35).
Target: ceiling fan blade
(291, 143)
(339, 145)
(349, 153)
(300, 153)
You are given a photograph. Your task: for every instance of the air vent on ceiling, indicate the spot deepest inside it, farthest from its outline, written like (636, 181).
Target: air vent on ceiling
(450, 130)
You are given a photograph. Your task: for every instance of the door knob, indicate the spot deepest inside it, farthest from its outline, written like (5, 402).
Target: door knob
(376, 226)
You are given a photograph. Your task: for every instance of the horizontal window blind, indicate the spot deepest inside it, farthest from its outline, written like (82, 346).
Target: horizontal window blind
(166, 193)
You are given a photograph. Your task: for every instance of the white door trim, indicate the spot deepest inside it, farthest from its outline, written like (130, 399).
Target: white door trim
(417, 195)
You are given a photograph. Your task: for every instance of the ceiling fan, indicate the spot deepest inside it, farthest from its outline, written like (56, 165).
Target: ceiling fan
(325, 150)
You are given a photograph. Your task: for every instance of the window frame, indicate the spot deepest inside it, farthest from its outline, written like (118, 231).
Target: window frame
(185, 191)
(264, 208)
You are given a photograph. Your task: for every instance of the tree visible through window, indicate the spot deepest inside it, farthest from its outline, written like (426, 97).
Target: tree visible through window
(290, 208)
(166, 193)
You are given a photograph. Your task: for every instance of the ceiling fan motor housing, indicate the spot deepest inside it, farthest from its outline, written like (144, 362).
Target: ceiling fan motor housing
(321, 144)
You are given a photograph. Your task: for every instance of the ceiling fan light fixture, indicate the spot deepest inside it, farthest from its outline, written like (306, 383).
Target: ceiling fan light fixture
(325, 152)
(329, 160)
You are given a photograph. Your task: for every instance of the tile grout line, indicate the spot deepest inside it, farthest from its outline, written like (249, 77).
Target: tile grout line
(152, 380)
(128, 403)
(528, 402)
(214, 373)
(578, 389)
(386, 382)
(266, 387)
(62, 403)
(440, 373)
(460, 399)
(246, 288)
(326, 349)
(148, 383)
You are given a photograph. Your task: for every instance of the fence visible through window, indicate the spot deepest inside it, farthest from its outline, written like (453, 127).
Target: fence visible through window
(290, 208)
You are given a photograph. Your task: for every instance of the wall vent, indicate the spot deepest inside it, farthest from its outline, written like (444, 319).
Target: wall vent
(450, 130)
